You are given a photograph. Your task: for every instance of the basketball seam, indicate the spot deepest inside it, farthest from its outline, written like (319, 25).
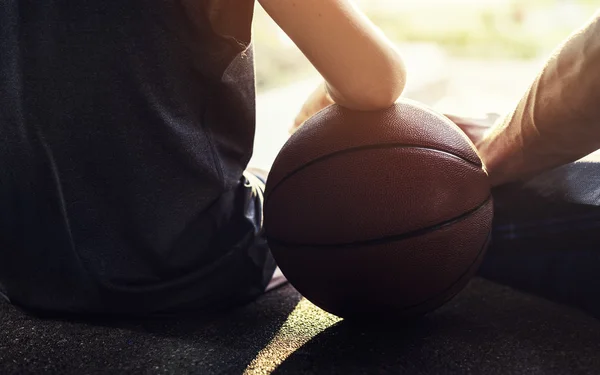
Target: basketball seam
(360, 148)
(459, 279)
(387, 238)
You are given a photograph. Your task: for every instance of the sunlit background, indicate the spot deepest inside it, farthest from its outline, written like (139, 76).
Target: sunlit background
(465, 57)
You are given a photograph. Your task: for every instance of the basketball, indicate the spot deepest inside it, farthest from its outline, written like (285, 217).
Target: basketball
(378, 214)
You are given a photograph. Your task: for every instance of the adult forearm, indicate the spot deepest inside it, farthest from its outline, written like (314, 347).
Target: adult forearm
(557, 120)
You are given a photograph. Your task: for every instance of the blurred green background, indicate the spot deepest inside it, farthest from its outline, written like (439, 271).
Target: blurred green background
(473, 29)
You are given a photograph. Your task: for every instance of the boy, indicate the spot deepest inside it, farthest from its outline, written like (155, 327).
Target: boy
(125, 130)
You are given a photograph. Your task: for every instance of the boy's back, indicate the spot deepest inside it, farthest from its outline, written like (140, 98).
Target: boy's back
(125, 127)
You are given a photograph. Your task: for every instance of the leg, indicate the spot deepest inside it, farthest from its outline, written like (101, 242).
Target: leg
(258, 177)
(546, 236)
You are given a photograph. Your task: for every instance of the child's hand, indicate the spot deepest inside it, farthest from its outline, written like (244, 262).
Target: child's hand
(318, 100)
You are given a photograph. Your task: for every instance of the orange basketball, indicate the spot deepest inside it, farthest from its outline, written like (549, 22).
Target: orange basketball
(378, 213)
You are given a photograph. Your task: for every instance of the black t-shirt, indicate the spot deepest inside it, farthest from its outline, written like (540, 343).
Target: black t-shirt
(125, 127)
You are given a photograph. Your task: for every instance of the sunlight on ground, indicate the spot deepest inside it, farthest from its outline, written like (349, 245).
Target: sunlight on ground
(304, 323)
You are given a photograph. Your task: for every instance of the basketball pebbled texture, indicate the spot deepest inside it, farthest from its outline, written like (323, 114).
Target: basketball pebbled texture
(378, 213)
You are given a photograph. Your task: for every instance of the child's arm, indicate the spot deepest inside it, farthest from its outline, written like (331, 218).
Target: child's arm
(361, 68)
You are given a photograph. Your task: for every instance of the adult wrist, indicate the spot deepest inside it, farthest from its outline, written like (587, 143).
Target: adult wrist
(501, 165)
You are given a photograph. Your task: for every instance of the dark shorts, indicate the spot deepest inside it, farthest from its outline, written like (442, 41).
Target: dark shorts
(239, 270)
(546, 236)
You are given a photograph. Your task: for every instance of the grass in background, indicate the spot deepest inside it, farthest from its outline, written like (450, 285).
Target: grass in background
(511, 30)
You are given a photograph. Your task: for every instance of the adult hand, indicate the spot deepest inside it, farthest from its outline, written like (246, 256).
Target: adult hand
(477, 129)
(474, 128)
